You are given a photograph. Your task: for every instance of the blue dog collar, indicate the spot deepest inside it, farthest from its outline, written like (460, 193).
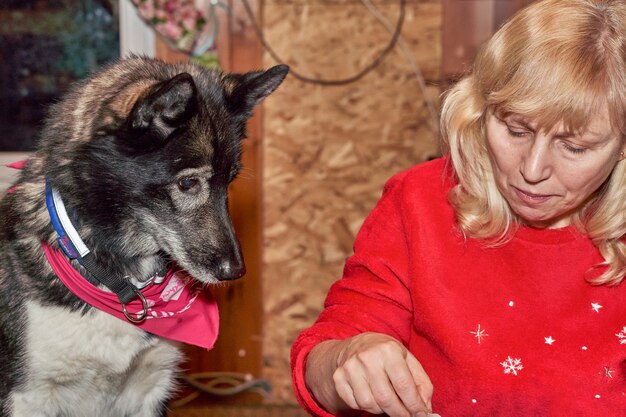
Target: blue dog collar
(68, 239)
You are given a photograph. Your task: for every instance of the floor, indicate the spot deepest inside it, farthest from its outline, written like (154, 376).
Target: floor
(235, 411)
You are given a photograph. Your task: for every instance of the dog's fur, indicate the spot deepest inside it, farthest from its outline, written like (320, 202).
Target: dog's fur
(142, 152)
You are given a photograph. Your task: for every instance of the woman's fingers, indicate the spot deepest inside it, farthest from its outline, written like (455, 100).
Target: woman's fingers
(391, 400)
(377, 378)
(344, 389)
(352, 380)
(421, 380)
(408, 387)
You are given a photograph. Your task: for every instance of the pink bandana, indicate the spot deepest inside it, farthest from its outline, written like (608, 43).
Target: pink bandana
(175, 311)
(15, 165)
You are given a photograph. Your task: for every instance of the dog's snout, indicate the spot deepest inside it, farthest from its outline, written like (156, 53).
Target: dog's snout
(230, 269)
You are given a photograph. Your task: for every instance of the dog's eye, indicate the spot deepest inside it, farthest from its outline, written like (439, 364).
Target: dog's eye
(189, 185)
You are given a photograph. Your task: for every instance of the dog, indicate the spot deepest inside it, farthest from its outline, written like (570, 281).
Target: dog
(119, 212)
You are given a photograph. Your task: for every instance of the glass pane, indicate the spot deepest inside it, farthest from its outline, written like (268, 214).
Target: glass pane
(45, 46)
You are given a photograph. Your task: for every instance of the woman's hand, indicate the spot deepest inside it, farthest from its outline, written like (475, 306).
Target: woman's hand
(371, 372)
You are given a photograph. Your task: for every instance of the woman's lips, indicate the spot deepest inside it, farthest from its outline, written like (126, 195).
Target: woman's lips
(531, 198)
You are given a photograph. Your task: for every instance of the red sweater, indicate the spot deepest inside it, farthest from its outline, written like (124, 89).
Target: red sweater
(512, 331)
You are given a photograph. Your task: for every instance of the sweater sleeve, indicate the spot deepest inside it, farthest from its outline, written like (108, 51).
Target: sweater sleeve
(373, 294)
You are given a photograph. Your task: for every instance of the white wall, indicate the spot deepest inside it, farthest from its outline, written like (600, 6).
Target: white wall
(136, 37)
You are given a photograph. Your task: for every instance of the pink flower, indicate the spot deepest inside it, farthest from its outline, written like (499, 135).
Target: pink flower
(171, 30)
(178, 20)
(189, 23)
(171, 7)
(146, 10)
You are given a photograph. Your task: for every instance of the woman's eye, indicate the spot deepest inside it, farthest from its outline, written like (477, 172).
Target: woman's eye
(574, 149)
(189, 185)
(515, 132)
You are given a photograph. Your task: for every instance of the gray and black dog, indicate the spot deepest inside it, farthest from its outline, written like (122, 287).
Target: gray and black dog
(140, 156)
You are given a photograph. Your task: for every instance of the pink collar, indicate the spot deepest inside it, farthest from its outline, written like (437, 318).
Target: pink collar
(176, 311)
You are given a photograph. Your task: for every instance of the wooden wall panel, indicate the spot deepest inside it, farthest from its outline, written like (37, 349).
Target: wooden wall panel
(466, 25)
(327, 151)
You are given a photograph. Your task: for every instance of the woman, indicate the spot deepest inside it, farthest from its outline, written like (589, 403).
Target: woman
(493, 276)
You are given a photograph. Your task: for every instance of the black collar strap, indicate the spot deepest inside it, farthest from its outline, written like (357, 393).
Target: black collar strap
(75, 248)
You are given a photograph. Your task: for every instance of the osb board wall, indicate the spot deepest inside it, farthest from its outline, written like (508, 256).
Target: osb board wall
(327, 151)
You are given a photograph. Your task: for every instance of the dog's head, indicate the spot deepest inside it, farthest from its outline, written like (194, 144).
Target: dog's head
(144, 151)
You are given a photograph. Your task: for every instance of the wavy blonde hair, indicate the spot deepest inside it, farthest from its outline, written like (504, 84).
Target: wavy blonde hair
(554, 61)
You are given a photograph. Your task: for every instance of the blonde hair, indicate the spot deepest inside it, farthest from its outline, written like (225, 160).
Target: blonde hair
(555, 61)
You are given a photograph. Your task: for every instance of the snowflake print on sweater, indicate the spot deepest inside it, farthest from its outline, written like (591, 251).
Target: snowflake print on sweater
(622, 336)
(479, 334)
(512, 365)
(608, 372)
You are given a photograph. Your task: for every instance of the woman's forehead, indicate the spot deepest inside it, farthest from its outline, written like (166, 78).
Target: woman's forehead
(551, 119)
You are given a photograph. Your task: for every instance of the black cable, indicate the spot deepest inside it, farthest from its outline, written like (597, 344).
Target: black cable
(376, 62)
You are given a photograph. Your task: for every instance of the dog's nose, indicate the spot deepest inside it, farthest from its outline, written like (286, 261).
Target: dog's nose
(229, 270)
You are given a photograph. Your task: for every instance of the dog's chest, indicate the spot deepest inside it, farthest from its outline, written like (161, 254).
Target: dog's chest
(71, 357)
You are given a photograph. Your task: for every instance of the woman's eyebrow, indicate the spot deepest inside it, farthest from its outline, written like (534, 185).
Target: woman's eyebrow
(516, 118)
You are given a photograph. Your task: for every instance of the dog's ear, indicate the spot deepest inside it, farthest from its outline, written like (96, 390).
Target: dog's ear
(166, 106)
(244, 91)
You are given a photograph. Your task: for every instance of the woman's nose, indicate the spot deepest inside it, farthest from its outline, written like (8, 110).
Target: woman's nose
(536, 162)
